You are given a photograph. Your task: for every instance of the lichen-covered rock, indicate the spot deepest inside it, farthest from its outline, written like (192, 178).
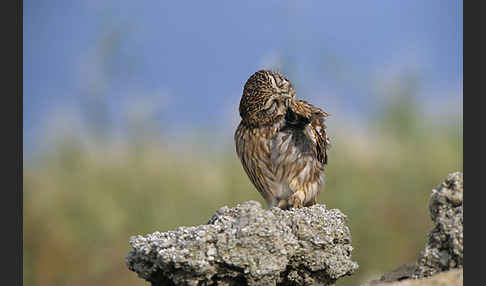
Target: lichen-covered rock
(444, 249)
(247, 245)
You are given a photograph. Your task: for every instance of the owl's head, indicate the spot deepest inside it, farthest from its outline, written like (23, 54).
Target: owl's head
(266, 97)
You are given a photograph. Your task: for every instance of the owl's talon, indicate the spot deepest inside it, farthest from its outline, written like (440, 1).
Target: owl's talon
(296, 200)
(311, 203)
(283, 204)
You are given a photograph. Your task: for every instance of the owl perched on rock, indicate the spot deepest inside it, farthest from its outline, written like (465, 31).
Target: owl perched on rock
(281, 141)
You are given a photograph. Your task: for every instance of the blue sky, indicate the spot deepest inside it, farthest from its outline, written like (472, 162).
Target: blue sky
(197, 55)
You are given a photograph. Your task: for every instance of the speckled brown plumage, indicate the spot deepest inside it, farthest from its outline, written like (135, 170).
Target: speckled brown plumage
(281, 141)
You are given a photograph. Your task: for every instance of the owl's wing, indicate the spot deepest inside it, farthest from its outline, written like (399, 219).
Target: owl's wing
(252, 147)
(310, 118)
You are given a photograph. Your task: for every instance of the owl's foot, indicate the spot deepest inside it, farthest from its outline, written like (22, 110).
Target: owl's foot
(296, 200)
(283, 204)
(311, 202)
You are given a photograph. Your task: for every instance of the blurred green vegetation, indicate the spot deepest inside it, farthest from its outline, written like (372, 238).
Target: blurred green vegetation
(83, 201)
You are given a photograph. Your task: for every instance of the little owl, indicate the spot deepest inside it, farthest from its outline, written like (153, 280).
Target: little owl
(281, 141)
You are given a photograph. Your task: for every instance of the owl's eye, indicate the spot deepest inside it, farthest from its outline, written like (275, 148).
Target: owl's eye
(272, 107)
(283, 84)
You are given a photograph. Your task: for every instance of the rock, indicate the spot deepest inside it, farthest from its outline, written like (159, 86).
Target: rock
(247, 245)
(444, 249)
(452, 277)
(403, 272)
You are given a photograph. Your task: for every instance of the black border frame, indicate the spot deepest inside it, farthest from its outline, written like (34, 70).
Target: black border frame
(12, 139)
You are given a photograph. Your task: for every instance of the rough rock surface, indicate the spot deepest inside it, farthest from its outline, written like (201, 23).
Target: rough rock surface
(247, 245)
(444, 249)
(452, 277)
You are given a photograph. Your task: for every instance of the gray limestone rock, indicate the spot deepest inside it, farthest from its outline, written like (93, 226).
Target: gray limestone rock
(444, 249)
(453, 277)
(248, 245)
